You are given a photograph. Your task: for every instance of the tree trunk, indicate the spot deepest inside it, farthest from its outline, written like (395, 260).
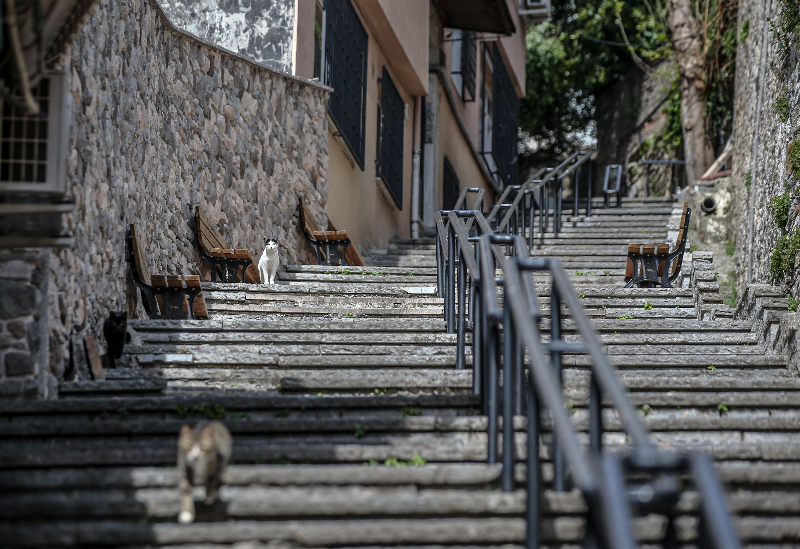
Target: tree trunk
(688, 45)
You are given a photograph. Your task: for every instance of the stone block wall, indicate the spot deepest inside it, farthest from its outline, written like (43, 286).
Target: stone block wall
(260, 29)
(760, 143)
(23, 323)
(162, 122)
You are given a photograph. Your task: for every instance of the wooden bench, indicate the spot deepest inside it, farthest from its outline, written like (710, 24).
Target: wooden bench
(228, 264)
(164, 297)
(332, 247)
(650, 264)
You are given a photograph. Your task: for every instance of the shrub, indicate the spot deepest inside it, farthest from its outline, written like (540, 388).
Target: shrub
(781, 263)
(779, 208)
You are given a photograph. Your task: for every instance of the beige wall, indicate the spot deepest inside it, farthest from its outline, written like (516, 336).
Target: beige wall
(453, 145)
(303, 38)
(401, 28)
(356, 202)
(513, 48)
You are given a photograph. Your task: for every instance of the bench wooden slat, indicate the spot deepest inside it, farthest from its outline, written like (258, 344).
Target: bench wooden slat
(175, 281)
(93, 355)
(139, 256)
(315, 232)
(209, 236)
(353, 257)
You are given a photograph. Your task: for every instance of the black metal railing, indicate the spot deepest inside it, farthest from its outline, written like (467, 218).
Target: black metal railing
(518, 205)
(501, 157)
(469, 64)
(346, 43)
(517, 351)
(392, 122)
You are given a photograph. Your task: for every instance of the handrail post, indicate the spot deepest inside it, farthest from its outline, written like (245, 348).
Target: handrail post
(491, 391)
(460, 320)
(439, 270)
(559, 481)
(533, 483)
(577, 187)
(595, 416)
(478, 332)
(589, 188)
(450, 291)
(509, 368)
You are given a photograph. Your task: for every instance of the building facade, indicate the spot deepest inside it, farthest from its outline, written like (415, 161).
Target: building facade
(425, 96)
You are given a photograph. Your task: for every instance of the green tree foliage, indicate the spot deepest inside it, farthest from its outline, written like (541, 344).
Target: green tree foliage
(591, 44)
(568, 63)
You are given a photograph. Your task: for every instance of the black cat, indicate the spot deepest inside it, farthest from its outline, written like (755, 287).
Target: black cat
(115, 328)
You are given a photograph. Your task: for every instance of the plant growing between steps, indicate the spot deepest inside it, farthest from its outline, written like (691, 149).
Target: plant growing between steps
(628, 316)
(204, 410)
(648, 306)
(360, 432)
(646, 409)
(410, 412)
(415, 461)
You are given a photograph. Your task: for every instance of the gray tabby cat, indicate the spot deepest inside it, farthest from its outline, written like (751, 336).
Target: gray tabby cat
(203, 453)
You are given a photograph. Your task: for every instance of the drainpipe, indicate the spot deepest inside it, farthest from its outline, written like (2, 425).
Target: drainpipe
(754, 161)
(415, 172)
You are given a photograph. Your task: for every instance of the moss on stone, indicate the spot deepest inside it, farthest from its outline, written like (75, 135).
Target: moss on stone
(783, 257)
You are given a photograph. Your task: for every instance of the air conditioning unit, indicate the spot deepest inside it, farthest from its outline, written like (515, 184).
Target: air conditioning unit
(536, 10)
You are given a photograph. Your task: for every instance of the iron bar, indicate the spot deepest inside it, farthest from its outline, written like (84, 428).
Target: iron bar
(559, 474)
(509, 367)
(533, 482)
(595, 416)
(461, 329)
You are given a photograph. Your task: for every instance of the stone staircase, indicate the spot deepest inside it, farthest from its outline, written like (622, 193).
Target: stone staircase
(352, 426)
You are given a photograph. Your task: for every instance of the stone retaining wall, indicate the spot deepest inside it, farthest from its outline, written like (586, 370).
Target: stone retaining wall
(764, 136)
(163, 121)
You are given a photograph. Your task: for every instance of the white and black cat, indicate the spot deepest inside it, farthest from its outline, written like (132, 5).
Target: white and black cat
(268, 264)
(203, 454)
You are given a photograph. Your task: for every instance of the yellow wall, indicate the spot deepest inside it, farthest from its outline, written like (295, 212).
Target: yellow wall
(355, 200)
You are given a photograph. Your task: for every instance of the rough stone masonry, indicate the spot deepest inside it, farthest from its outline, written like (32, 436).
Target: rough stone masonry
(163, 121)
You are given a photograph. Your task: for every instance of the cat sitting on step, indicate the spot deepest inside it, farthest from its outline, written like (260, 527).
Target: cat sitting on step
(115, 329)
(268, 264)
(203, 453)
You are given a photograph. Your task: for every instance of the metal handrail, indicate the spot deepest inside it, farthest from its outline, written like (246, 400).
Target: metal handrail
(475, 253)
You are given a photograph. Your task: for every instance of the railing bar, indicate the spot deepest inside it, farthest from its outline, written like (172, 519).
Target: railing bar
(613, 514)
(713, 507)
(546, 383)
(460, 317)
(509, 366)
(533, 483)
(606, 373)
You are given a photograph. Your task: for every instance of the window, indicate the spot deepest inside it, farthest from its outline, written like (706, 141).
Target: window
(463, 64)
(499, 120)
(345, 71)
(391, 120)
(319, 36)
(452, 187)
(33, 150)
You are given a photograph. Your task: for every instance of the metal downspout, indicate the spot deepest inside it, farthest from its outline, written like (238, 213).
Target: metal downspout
(415, 172)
